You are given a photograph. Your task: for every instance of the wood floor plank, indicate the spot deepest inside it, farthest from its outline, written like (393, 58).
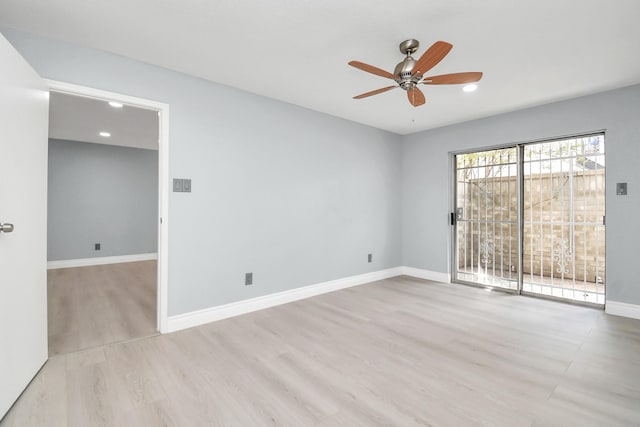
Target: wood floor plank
(398, 352)
(98, 305)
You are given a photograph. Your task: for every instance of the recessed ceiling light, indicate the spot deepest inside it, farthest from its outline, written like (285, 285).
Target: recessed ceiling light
(470, 88)
(105, 134)
(115, 104)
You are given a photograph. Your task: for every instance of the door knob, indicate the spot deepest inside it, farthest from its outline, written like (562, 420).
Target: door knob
(6, 228)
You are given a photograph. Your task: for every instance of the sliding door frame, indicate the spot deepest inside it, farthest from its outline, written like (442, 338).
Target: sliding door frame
(519, 146)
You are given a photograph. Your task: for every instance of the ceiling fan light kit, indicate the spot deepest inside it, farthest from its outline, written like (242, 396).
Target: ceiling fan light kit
(410, 72)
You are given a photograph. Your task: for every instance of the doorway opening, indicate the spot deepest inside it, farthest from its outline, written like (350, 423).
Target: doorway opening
(530, 218)
(107, 219)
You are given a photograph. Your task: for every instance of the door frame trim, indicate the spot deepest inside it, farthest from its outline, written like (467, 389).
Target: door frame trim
(163, 180)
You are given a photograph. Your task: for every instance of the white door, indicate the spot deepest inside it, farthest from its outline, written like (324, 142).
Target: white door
(24, 116)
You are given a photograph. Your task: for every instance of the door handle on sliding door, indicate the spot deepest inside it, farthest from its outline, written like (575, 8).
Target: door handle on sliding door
(6, 228)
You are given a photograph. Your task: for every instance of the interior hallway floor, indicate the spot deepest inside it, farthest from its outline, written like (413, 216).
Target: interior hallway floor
(103, 304)
(397, 352)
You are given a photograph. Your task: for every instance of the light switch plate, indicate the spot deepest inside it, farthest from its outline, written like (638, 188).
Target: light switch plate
(181, 185)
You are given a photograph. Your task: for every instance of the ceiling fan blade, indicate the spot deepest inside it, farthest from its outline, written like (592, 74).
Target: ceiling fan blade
(453, 79)
(416, 97)
(431, 57)
(371, 69)
(374, 92)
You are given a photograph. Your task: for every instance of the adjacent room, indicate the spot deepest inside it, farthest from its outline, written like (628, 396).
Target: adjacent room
(102, 222)
(319, 214)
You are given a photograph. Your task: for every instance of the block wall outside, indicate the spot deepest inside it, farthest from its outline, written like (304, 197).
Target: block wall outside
(553, 247)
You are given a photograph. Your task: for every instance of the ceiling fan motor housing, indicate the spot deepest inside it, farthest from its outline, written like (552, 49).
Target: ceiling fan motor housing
(403, 73)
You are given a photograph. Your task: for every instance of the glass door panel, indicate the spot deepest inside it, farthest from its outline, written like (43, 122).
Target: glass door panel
(564, 210)
(486, 213)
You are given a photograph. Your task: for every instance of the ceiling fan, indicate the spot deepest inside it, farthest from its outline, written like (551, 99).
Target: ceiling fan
(409, 72)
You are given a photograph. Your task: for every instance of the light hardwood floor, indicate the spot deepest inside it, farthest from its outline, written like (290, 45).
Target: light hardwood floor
(399, 352)
(102, 304)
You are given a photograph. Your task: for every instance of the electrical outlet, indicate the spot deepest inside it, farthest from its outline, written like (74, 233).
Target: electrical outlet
(97, 246)
(621, 188)
(369, 257)
(248, 279)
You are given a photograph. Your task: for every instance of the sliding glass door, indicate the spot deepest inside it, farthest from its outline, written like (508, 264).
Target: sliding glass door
(486, 217)
(564, 211)
(530, 218)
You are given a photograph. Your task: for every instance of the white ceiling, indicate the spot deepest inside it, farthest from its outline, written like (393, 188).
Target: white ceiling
(532, 52)
(77, 118)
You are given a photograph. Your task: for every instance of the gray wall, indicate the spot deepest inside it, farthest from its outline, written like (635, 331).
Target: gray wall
(426, 177)
(292, 195)
(101, 194)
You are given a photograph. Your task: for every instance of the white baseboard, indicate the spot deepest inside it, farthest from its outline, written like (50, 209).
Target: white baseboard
(207, 315)
(84, 262)
(426, 274)
(622, 309)
(201, 317)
